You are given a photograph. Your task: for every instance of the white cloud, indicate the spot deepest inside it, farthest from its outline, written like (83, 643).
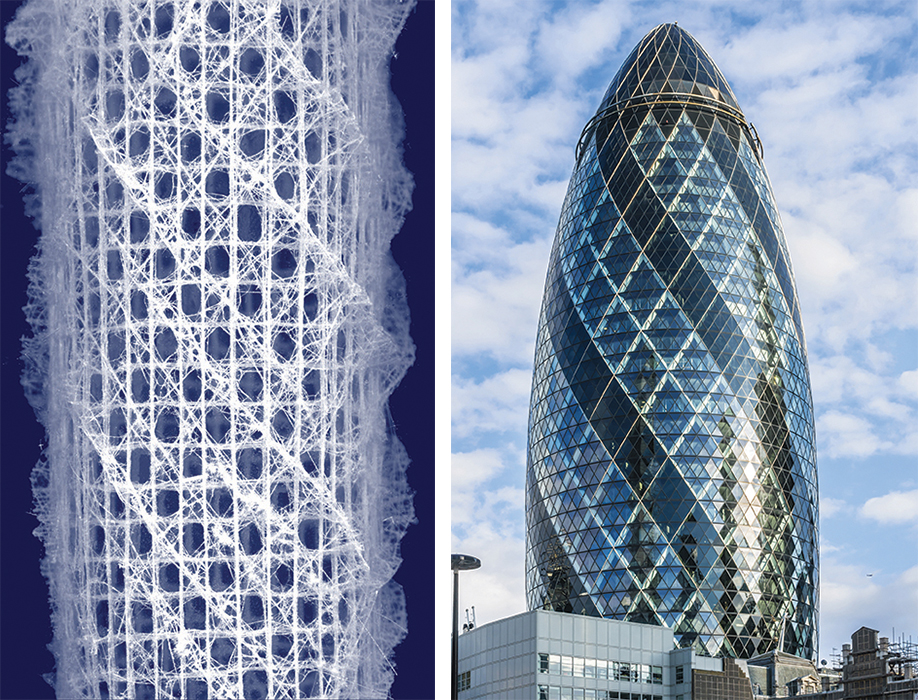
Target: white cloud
(850, 599)
(837, 378)
(471, 469)
(847, 435)
(897, 507)
(496, 589)
(864, 410)
(496, 404)
(479, 86)
(517, 103)
(868, 425)
(509, 170)
(480, 26)
(494, 505)
(829, 507)
(495, 310)
(486, 487)
(584, 31)
(908, 382)
(476, 240)
(796, 49)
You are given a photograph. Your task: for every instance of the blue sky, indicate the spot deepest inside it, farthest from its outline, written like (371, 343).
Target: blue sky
(832, 88)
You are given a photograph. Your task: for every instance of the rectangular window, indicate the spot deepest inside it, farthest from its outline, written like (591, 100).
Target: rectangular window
(543, 663)
(602, 669)
(567, 694)
(465, 680)
(657, 674)
(589, 668)
(554, 693)
(644, 674)
(624, 672)
(578, 693)
(578, 667)
(635, 673)
(679, 677)
(590, 693)
(567, 665)
(554, 664)
(543, 692)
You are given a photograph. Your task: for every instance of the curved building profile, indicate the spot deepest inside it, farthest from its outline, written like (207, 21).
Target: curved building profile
(671, 473)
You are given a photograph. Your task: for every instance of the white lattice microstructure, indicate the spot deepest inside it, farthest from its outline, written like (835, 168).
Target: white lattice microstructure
(218, 326)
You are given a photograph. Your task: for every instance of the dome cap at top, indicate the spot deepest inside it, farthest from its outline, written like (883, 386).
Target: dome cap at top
(669, 60)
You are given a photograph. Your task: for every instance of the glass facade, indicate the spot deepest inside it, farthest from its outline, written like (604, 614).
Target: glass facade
(552, 692)
(671, 474)
(603, 669)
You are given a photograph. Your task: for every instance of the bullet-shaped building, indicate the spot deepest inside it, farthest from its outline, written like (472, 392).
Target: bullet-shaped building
(671, 473)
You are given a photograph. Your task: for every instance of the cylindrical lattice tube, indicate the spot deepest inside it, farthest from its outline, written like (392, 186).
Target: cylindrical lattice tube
(218, 325)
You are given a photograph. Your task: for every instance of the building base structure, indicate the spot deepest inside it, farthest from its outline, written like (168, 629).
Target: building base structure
(548, 655)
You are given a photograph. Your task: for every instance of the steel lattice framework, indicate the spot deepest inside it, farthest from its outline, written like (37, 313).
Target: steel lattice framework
(672, 467)
(218, 326)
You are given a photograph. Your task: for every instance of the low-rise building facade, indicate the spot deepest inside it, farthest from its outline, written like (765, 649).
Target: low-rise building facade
(547, 655)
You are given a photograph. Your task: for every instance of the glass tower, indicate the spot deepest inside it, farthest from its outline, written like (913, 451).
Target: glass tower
(671, 474)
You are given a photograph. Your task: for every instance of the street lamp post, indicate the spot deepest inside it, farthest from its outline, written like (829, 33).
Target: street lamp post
(460, 562)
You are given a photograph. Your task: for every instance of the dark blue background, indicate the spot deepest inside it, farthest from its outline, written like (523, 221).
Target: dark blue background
(25, 627)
